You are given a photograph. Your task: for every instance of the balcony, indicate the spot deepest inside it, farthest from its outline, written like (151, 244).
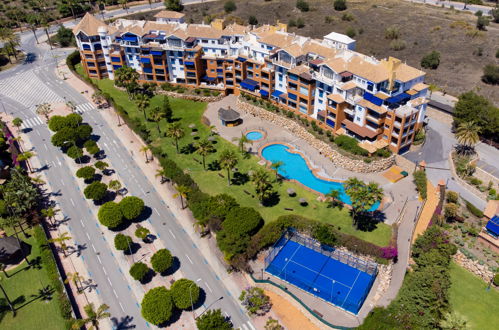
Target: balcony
(323, 78)
(287, 65)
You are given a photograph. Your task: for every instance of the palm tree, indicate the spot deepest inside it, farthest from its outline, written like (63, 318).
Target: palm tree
(61, 240)
(276, 166)
(98, 97)
(75, 278)
(161, 173)
(213, 130)
(156, 115)
(263, 186)
(25, 157)
(44, 109)
(204, 149)
(12, 222)
(11, 40)
(145, 149)
(467, 135)
(334, 196)
(241, 141)
(37, 180)
(45, 24)
(228, 160)
(11, 306)
(33, 22)
(93, 316)
(17, 122)
(142, 102)
(182, 192)
(50, 214)
(176, 132)
(363, 196)
(126, 77)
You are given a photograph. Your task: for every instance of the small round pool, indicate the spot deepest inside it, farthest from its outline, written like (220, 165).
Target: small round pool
(254, 135)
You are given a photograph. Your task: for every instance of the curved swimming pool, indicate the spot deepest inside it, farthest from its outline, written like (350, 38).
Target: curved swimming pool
(296, 168)
(254, 135)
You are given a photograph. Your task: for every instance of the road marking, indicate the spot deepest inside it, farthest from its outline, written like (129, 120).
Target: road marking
(251, 325)
(142, 190)
(227, 315)
(122, 307)
(99, 259)
(109, 281)
(157, 211)
(244, 326)
(172, 233)
(189, 259)
(88, 236)
(62, 181)
(116, 295)
(208, 287)
(93, 248)
(45, 147)
(104, 270)
(71, 200)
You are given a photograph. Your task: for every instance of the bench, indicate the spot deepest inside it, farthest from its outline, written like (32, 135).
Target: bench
(288, 209)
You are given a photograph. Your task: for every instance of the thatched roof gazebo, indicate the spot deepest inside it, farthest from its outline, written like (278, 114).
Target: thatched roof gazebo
(229, 117)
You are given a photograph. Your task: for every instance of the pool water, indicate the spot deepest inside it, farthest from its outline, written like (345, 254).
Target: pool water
(254, 135)
(295, 168)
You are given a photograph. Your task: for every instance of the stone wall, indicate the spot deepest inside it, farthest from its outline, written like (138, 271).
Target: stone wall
(473, 266)
(199, 98)
(338, 159)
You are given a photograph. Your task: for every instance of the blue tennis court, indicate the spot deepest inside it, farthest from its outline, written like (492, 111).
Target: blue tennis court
(336, 282)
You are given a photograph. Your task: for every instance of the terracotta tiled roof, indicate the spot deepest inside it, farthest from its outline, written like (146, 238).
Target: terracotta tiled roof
(372, 106)
(336, 98)
(203, 31)
(89, 25)
(418, 101)
(169, 14)
(298, 70)
(420, 86)
(276, 39)
(367, 70)
(338, 65)
(235, 29)
(360, 130)
(349, 85)
(406, 73)
(321, 50)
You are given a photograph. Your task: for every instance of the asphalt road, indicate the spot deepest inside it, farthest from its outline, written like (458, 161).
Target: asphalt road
(35, 81)
(457, 5)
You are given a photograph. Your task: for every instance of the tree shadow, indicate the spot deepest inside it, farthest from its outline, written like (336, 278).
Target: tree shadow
(214, 166)
(144, 215)
(134, 247)
(41, 168)
(85, 159)
(239, 178)
(368, 221)
(273, 199)
(100, 155)
(78, 249)
(148, 277)
(173, 319)
(175, 266)
(188, 149)
(201, 299)
(123, 323)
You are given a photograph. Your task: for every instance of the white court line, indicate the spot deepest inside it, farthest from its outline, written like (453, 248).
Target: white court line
(46, 147)
(289, 260)
(172, 233)
(353, 285)
(189, 259)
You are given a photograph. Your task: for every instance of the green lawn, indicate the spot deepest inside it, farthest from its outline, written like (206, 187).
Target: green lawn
(210, 182)
(22, 287)
(469, 298)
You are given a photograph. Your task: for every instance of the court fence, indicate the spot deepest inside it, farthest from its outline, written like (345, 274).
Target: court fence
(344, 257)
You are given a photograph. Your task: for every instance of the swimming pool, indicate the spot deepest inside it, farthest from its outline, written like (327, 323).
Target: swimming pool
(296, 168)
(254, 135)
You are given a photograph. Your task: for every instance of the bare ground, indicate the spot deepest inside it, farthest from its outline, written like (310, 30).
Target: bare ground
(423, 28)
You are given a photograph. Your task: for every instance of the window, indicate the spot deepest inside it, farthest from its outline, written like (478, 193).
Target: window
(93, 72)
(303, 90)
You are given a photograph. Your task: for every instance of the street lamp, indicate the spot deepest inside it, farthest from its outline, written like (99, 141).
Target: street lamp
(190, 294)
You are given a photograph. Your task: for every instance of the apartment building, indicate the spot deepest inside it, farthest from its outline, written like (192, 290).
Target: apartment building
(382, 103)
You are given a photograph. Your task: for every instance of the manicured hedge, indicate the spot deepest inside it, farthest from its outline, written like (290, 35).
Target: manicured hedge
(351, 145)
(420, 181)
(473, 209)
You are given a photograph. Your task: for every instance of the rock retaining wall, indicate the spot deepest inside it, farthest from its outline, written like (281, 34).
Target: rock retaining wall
(473, 266)
(199, 98)
(338, 159)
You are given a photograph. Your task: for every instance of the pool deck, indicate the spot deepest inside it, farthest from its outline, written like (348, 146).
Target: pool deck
(395, 193)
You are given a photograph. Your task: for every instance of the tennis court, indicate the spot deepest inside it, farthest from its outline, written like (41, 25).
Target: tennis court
(325, 277)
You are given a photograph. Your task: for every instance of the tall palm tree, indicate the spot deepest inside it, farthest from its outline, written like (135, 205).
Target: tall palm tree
(25, 157)
(61, 240)
(334, 196)
(142, 101)
(145, 150)
(276, 166)
(11, 306)
(263, 186)
(11, 40)
(17, 123)
(93, 316)
(44, 109)
(228, 160)
(45, 25)
(176, 132)
(241, 141)
(204, 149)
(33, 22)
(182, 192)
(161, 173)
(126, 77)
(50, 214)
(75, 278)
(467, 134)
(156, 115)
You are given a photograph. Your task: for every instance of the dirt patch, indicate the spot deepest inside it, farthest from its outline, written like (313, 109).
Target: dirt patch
(290, 317)
(423, 28)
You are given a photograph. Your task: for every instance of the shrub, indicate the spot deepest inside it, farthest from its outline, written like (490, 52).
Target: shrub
(340, 5)
(122, 242)
(392, 32)
(329, 19)
(384, 153)
(351, 32)
(300, 23)
(110, 215)
(491, 74)
(161, 261)
(131, 207)
(497, 53)
(347, 17)
(302, 5)
(325, 234)
(398, 44)
(473, 209)
(431, 60)
(255, 301)
(420, 181)
(452, 196)
(86, 172)
(142, 233)
(213, 320)
(292, 23)
(56, 123)
(350, 144)
(481, 23)
(183, 290)
(230, 6)
(89, 144)
(157, 305)
(252, 20)
(65, 37)
(242, 221)
(451, 210)
(3, 207)
(496, 279)
(95, 191)
(138, 271)
(101, 165)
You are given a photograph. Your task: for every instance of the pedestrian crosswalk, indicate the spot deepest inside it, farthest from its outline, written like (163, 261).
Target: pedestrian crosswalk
(31, 122)
(81, 108)
(248, 327)
(28, 89)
